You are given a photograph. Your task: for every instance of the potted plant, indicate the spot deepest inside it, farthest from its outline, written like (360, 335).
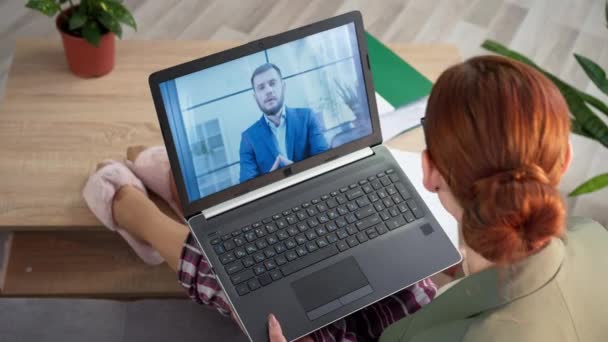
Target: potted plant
(88, 30)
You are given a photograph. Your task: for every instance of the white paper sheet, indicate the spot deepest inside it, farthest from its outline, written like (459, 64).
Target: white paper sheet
(396, 121)
(383, 105)
(403, 118)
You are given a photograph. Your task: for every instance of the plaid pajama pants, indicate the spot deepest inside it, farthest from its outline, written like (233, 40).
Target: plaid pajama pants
(196, 277)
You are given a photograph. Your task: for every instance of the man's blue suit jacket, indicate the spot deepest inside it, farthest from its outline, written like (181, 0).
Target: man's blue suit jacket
(258, 151)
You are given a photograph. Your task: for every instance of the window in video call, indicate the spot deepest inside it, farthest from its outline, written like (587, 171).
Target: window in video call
(259, 113)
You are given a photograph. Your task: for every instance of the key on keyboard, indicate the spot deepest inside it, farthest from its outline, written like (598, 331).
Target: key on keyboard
(319, 228)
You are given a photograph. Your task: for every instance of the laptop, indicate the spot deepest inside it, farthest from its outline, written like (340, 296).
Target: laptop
(277, 154)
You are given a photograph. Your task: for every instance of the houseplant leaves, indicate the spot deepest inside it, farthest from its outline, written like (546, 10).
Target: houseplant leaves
(587, 122)
(595, 183)
(584, 121)
(47, 7)
(594, 71)
(89, 19)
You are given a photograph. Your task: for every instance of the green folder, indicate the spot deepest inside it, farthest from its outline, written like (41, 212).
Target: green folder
(395, 80)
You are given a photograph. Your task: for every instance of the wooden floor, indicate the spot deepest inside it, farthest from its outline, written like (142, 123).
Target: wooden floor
(549, 31)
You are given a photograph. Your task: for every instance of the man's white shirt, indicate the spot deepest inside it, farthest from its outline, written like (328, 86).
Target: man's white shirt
(280, 132)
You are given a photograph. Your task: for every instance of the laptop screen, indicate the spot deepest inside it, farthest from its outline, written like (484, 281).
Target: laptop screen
(256, 114)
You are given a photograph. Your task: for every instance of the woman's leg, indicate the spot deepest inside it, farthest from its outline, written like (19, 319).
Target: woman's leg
(153, 221)
(137, 214)
(368, 324)
(150, 219)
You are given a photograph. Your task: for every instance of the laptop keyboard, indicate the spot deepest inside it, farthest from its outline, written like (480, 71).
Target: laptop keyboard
(265, 251)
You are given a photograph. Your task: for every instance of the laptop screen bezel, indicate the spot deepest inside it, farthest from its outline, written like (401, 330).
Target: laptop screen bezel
(155, 79)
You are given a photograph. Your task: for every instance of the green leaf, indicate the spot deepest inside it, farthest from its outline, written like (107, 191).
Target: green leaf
(92, 32)
(111, 24)
(594, 184)
(77, 20)
(47, 7)
(577, 128)
(83, 7)
(503, 50)
(586, 118)
(594, 101)
(118, 12)
(594, 71)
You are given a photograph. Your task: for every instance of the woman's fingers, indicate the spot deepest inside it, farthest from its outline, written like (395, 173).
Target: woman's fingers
(274, 330)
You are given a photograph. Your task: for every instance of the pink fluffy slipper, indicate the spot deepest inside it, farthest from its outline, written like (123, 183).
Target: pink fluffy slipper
(99, 193)
(153, 168)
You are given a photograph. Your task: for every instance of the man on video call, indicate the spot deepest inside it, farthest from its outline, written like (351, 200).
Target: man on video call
(282, 135)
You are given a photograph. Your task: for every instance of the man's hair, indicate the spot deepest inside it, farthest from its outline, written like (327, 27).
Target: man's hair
(263, 68)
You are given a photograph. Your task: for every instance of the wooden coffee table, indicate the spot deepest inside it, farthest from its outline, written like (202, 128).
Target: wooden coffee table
(55, 128)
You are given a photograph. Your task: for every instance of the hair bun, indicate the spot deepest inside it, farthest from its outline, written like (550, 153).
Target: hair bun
(512, 214)
(526, 172)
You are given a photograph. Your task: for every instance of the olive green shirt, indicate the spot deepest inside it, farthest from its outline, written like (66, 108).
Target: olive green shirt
(557, 294)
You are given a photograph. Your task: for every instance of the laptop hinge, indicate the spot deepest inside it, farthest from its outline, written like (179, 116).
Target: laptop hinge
(286, 182)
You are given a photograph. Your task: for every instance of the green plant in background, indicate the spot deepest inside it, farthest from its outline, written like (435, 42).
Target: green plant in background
(584, 120)
(89, 19)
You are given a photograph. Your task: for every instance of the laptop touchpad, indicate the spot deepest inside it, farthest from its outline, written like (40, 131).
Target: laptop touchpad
(331, 288)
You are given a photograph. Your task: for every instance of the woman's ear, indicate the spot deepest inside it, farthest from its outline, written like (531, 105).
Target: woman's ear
(428, 171)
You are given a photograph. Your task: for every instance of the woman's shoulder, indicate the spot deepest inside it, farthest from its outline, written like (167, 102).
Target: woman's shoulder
(470, 310)
(507, 329)
(477, 329)
(582, 281)
(410, 330)
(586, 242)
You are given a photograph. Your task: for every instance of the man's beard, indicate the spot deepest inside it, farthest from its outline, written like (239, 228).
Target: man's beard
(274, 109)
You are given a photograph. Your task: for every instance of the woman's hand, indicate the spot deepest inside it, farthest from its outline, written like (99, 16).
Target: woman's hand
(276, 334)
(274, 330)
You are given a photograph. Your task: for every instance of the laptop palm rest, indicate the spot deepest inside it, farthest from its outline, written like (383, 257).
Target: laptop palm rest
(331, 288)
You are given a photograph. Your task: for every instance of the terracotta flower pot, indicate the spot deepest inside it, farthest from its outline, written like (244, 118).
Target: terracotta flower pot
(84, 59)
